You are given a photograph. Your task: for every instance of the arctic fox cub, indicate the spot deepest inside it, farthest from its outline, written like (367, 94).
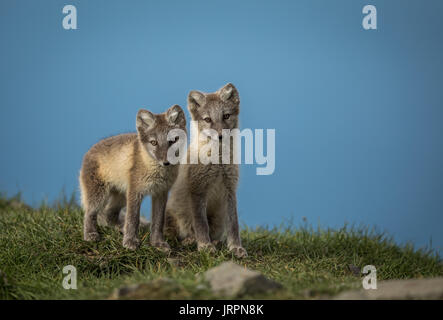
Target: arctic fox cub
(119, 171)
(202, 205)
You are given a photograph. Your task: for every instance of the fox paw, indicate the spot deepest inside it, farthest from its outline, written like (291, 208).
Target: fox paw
(188, 241)
(239, 252)
(162, 246)
(92, 236)
(131, 243)
(209, 247)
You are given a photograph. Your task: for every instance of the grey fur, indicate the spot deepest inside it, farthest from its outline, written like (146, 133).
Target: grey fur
(119, 171)
(202, 205)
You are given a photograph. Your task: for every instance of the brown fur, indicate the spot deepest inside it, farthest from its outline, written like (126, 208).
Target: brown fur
(202, 206)
(119, 171)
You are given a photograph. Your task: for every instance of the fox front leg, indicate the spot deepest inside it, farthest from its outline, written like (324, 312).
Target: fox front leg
(132, 220)
(233, 237)
(158, 219)
(200, 223)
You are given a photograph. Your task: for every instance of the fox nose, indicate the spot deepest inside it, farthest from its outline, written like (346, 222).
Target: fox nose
(166, 163)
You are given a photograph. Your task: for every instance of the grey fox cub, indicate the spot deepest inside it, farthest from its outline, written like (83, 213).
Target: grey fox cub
(202, 205)
(119, 171)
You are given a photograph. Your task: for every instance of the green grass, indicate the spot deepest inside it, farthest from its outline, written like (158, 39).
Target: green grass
(35, 245)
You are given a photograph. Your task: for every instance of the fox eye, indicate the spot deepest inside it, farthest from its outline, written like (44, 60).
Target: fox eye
(153, 142)
(226, 116)
(207, 119)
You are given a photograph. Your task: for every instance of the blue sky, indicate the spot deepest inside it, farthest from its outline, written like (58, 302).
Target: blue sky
(358, 114)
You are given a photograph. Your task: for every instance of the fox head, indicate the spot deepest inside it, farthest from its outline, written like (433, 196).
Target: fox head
(153, 131)
(217, 111)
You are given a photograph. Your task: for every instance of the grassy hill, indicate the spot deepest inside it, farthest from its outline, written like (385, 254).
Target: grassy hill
(35, 245)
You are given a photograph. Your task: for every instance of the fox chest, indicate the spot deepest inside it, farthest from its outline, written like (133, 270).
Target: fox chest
(222, 181)
(156, 181)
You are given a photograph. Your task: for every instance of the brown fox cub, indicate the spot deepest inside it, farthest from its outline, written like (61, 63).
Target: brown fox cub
(119, 171)
(202, 205)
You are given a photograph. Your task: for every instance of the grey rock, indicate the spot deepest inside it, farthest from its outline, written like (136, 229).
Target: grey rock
(412, 289)
(231, 280)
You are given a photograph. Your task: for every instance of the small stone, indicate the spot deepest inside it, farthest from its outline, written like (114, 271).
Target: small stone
(412, 289)
(231, 280)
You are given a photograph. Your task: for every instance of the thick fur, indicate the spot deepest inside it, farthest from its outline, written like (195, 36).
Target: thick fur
(119, 171)
(202, 205)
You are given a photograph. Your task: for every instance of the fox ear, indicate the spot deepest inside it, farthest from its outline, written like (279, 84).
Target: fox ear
(176, 116)
(145, 119)
(229, 93)
(196, 99)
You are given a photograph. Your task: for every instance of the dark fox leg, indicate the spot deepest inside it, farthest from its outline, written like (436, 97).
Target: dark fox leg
(94, 194)
(132, 219)
(157, 221)
(200, 224)
(233, 232)
(90, 232)
(217, 224)
(110, 215)
(170, 226)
